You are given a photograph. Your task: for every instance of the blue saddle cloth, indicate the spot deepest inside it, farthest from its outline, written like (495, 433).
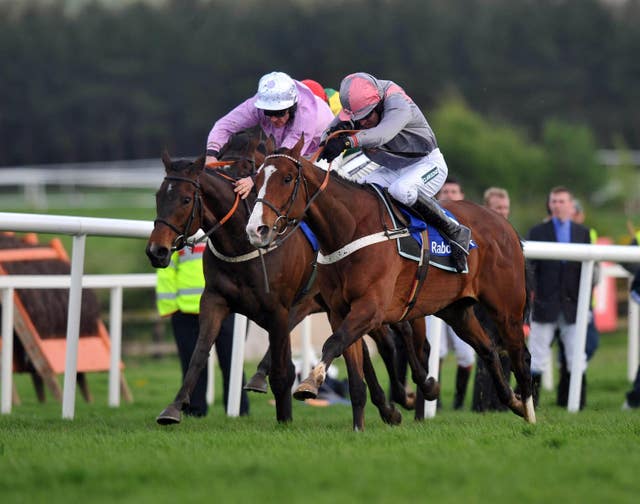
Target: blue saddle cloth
(310, 236)
(439, 247)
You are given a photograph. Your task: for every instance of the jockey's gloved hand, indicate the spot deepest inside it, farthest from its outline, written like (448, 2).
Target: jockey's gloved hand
(342, 125)
(334, 147)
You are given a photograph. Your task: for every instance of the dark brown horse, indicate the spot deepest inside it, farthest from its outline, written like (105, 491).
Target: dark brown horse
(193, 197)
(373, 285)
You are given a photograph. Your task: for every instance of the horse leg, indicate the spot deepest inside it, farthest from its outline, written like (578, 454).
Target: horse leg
(282, 372)
(388, 351)
(388, 412)
(362, 318)
(353, 356)
(418, 350)
(212, 313)
(258, 382)
(513, 339)
(461, 317)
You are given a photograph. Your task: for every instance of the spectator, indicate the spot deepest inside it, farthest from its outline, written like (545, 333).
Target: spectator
(593, 336)
(556, 286)
(178, 291)
(284, 108)
(497, 199)
(485, 397)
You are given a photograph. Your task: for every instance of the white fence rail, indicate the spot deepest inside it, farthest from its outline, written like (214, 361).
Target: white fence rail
(80, 227)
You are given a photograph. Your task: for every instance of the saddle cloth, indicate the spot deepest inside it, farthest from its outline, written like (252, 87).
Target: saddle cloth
(439, 250)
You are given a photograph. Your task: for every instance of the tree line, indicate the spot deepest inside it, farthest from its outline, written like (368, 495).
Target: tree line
(104, 83)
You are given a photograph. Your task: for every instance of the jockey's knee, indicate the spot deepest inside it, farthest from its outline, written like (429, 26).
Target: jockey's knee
(403, 191)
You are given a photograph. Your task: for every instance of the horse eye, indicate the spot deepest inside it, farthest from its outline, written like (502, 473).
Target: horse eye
(186, 200)
(288, 178)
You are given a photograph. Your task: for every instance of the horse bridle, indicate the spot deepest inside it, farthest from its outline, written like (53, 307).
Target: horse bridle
(294, 194)
(181, 238)
(284, 217)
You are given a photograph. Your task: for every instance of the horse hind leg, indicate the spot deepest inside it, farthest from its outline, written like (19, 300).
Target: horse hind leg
(353, 357)
(462, 319)
(513, 338)
(388, 350)
(414, 335)
(389, 414)
(258, 382)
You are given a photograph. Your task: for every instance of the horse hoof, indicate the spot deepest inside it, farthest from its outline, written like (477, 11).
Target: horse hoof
(257, 383)
(430, 389)
(306, 390)
(393, 418)
(170, 415)
(410, 401)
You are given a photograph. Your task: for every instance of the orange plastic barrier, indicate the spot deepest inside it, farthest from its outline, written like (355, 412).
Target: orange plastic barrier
(605, 303)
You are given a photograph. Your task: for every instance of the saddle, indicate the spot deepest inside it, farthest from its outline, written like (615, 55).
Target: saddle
(438, 251)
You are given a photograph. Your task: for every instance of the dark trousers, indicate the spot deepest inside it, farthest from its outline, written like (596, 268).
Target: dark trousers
(185, 330)
(633, 396)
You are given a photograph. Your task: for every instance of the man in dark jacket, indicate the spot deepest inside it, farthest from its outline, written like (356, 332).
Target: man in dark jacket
(556, 285)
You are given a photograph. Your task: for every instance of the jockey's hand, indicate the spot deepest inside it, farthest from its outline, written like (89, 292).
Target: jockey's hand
(334, 147)
(210, 160)
(342, 125)
(243, 187)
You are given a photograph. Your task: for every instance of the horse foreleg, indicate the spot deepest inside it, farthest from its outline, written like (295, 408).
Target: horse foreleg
(211, 316)
(362, 318)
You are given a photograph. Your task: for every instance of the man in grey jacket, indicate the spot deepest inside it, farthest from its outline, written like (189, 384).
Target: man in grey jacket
(395, 134)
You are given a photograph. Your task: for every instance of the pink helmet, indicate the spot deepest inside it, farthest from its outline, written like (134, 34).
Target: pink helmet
(359, 95)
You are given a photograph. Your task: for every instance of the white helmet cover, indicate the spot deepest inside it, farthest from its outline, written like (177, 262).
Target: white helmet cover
(276, 91)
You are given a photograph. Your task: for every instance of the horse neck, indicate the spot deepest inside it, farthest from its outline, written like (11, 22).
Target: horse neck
(333, 215)
(218, 199)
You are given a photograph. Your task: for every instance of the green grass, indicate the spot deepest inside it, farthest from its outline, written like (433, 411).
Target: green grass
(106, 454)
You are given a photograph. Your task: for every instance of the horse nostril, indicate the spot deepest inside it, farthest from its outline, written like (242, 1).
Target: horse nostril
(263, 230)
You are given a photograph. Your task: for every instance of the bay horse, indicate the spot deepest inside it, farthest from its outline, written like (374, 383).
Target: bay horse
(191, 197)
(373, 284)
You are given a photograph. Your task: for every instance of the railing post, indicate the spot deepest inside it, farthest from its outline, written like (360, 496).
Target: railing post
(115, 331)
(580, 337)
(633, 339)
(7, 350)
(73, 327)
(435, 327)
(237, 362)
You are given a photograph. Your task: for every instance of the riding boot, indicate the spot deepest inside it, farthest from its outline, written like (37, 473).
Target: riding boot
(536, 380)
(562, 396)
(457, 234)
(462, 379)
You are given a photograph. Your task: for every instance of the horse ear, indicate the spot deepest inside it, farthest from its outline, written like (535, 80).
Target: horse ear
(270, 145)
(298, 147)
(166, 159)
(199, 163)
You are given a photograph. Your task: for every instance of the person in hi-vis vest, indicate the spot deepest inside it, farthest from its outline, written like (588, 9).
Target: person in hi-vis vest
(178, 291)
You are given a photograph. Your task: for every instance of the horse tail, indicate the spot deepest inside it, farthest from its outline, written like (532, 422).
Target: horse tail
(528, 285)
